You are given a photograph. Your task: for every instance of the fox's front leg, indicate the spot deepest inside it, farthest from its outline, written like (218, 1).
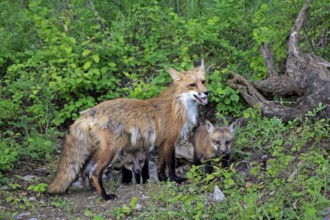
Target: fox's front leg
(167, 160)
(171, 166)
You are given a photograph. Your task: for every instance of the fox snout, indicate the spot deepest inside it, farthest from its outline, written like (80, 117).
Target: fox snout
(137, 171)
(201, 97)
(222, 152)
(206, 93)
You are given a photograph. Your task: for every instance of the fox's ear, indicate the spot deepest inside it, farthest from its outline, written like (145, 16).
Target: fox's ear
(232, 127)
(176, 75)
(209, 126)
(201, 68)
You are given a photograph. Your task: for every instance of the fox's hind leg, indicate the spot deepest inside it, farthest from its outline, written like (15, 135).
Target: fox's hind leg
(103, 157)
(85, 175)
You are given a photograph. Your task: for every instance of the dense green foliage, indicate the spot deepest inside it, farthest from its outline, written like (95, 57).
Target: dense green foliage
(60, 57)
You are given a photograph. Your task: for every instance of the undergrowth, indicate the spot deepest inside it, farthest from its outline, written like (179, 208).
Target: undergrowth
(279, 172)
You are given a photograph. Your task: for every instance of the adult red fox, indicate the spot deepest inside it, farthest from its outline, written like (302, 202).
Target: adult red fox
(100, 132)
(210, 142)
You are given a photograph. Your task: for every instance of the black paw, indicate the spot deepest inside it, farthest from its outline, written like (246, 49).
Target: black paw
(178, 179)
(109, 196)
(161, 177)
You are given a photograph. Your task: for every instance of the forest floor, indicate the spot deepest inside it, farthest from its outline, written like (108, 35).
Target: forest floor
(18, 202)
(77, 203)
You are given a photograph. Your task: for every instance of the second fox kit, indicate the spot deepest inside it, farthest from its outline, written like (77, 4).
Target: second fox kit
(134, 166)
(102, 131)
(210, 142)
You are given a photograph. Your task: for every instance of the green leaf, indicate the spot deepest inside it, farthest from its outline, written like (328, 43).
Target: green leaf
(86, 52)
(89, 213)
(98, 217)
(133, 202)
(87, 65)
(68, 50)
(234, 97)
(96, 58)
(126, 209)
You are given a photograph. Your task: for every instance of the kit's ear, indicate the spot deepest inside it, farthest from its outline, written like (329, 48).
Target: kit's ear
(209, 126)
(232, 127)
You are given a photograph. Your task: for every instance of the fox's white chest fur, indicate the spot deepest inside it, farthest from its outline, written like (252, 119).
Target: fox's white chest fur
(191, 112)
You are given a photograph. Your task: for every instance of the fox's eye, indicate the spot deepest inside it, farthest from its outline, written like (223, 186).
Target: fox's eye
(217, 142)
(192, 85)
(227, 142)
(130, 163)
(141, 161)
(203, 82)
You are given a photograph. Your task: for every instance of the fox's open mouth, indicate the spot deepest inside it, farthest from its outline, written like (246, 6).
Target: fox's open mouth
(202, 100)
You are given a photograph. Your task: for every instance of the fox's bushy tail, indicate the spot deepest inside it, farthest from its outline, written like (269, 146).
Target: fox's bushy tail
(77, 148)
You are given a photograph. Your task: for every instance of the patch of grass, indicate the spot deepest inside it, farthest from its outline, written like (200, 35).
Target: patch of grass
(291, 182)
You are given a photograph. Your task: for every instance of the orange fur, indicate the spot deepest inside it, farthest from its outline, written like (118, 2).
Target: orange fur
(100, 132)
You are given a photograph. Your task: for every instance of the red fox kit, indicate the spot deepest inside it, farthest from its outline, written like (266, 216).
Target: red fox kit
(134, 164)
(210, 142)
(102, 131)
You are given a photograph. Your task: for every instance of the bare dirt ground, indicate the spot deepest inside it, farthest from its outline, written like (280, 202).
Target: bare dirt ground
(71, 205)
(77, 203)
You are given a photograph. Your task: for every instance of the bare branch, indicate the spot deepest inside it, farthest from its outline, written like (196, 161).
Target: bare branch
(293, 41)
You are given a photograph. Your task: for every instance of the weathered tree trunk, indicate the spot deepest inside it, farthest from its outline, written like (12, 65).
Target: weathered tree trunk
(306, 76)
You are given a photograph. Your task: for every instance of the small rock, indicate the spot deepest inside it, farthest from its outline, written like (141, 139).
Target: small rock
(145, 197)
(29, 177)
(4, 187)
(218, 195)
(32, 199)
(138, 207)
(23, 215)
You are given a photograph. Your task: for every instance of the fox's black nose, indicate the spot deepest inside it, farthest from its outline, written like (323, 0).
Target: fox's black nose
(207, 93)
(137, 171)
(222, 152)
